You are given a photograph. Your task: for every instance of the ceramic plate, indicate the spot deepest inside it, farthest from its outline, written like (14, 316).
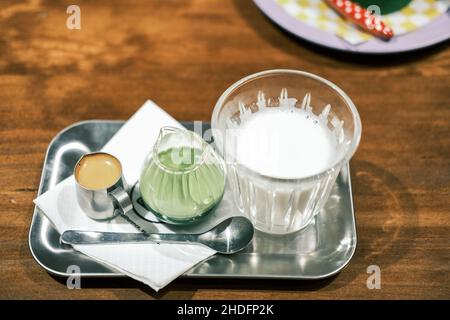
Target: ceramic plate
(434, 32)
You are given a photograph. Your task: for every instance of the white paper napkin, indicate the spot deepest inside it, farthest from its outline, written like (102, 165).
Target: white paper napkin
(156, 265)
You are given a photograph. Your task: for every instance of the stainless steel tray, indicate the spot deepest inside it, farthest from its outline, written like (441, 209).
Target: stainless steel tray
(319, 251)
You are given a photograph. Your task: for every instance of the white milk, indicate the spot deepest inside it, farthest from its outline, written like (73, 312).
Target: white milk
(283, 139)
(285, 143)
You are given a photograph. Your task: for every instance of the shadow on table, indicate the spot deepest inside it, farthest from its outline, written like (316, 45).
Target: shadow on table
(388, 216)
(185, 288)
(294, 45)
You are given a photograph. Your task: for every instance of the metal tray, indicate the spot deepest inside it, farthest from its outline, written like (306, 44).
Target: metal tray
(319, 251)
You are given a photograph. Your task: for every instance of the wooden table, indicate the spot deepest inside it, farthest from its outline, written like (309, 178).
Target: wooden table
(183, 55)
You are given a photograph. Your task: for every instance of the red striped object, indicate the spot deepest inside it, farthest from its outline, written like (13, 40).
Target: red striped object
(362, 18)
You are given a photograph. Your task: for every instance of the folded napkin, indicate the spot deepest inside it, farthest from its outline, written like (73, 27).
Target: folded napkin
(154, 264)
(318, 14)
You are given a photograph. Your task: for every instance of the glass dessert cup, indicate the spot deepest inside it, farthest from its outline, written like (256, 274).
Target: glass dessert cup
(283, 205)
(183, 178)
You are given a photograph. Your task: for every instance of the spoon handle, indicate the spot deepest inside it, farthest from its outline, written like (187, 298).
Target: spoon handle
(74, 237)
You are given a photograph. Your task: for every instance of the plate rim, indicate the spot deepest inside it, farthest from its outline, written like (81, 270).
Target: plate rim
(272, 10)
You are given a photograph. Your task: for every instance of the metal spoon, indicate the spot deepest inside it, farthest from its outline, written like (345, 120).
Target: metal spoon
(229, 236)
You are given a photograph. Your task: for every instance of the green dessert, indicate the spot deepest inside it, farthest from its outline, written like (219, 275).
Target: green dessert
(182, 191)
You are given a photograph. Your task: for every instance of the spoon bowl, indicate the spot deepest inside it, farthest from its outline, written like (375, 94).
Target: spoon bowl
(229, 236)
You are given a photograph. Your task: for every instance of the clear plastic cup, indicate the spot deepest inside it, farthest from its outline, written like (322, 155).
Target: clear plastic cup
(284, 205)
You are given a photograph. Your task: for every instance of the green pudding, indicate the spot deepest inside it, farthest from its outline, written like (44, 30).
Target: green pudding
(181, 191)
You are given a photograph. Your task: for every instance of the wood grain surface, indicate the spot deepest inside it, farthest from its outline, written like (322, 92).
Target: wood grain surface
(183, 54)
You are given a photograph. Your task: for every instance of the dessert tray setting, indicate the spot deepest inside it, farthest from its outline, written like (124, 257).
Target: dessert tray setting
(263, 191)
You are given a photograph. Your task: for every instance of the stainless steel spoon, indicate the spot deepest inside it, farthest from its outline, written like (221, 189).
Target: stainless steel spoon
(229, 236)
